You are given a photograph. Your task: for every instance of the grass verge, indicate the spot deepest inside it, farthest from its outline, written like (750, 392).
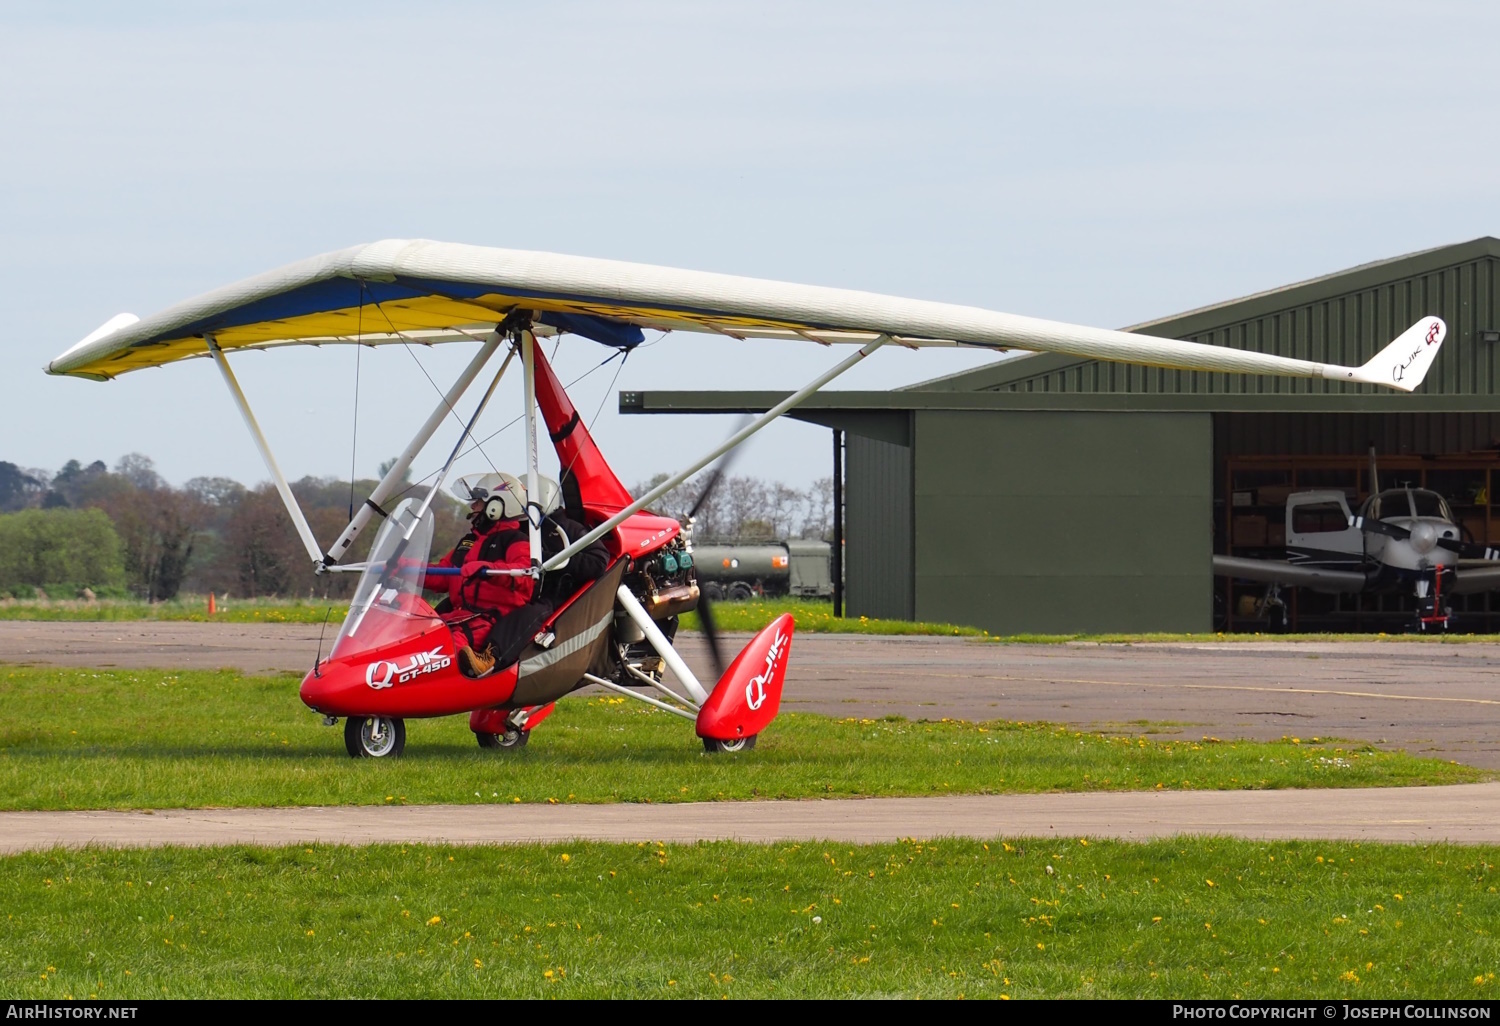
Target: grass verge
(748, 616)
(81, 739)
(817, 618)
(189, 608)
(1182, 918)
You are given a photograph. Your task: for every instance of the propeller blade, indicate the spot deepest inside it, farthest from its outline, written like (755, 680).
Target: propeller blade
(705, 604)
(709, 486)
(1468, 550)
(1369, 526)
(711, 632)
(1374, 474)
(720, 468)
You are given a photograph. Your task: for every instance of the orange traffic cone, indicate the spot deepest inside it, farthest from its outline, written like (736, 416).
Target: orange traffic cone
(212, 609)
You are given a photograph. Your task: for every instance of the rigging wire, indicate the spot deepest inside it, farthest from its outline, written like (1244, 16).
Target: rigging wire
(516, 420)
(624, 355)
(406, 343)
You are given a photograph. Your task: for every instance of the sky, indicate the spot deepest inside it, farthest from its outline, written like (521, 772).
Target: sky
(1099, 163)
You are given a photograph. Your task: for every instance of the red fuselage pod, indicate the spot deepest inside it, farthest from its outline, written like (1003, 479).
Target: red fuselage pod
(414, 674)
(643, 533)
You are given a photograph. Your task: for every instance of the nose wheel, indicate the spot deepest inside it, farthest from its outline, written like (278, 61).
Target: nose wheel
(375, 737)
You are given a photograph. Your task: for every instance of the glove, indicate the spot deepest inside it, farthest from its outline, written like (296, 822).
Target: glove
(473, 572)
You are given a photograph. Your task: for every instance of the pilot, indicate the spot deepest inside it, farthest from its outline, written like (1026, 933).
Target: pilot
(486, 610)
(559, 530)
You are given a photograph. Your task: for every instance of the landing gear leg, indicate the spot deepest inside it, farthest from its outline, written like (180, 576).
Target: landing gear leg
(1432, 614)
(1273, 600)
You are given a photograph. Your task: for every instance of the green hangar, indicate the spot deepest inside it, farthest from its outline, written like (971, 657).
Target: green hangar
(1052, 494)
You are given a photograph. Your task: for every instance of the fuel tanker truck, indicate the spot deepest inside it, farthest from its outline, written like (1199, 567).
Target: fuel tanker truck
(742, 571)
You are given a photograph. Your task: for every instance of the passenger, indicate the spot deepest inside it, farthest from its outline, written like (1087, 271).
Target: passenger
(559, 530)
(490, 612)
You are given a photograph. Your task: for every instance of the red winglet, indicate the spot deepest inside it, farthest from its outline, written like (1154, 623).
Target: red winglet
(748, 696)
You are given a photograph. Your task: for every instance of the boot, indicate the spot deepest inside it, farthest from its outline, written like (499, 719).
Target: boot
(476, 664)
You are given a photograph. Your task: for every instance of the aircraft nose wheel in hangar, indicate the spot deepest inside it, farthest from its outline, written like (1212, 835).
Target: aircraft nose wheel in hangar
(375, 737)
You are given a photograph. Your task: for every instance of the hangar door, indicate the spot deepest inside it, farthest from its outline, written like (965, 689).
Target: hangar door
(1063, 522)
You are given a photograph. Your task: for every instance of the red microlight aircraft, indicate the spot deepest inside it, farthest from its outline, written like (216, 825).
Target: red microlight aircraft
(395, 656)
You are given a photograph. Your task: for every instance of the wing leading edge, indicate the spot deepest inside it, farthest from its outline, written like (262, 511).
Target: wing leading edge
(415, 290)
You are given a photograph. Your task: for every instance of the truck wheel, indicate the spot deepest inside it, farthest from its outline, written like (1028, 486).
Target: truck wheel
(713, 592)
(739, 591)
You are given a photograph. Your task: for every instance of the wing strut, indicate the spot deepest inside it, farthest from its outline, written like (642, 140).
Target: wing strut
(288, 499)
(397, 473)
(733, 440)
(533, 509)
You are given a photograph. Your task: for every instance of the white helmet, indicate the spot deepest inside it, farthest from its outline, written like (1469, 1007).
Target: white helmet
(548, 495)
(503, 494)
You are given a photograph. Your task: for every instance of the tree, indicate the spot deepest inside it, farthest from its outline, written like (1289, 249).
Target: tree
(140, 471)
(385, 468)
(44, 548)
(18, 489)
(215, 491)
(158, 529)
(78, 485)
(262, 544)
(817, 517)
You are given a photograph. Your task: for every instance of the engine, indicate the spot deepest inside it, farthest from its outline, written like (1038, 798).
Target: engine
(666, 584)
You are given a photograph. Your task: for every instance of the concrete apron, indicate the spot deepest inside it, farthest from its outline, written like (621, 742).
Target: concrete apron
(1465, 814)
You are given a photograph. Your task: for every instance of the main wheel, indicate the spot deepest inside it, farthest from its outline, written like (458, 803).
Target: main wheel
(509, 739)
(375, 737)
(739, 744)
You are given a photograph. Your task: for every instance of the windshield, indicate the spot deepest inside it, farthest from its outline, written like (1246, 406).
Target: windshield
(388, 605)
(1410, 502)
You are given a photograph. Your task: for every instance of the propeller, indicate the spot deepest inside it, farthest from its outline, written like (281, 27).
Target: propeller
(705, 606)
(1463, 549)
(1426, 537)
(1379, 527)
(1469, 550)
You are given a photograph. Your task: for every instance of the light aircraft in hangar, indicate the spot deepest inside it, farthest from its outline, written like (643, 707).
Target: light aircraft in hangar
(395, 655)
(1400, 539)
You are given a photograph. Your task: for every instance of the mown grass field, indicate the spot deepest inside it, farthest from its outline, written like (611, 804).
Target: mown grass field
(748, 616)
(186, 608)
(80, 739)
(1181, 918)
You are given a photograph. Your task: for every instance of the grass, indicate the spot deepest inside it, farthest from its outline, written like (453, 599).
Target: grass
(188, 607)
(817, 617)
(747, 616)
(80, 739)
(1181, 918)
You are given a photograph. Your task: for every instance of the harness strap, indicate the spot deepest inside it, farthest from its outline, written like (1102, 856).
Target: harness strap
(566, 429)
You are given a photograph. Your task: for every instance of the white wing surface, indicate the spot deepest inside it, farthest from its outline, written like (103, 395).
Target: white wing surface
(417, 290)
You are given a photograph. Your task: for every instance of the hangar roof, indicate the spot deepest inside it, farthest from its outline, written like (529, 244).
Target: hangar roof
(1345, 317)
